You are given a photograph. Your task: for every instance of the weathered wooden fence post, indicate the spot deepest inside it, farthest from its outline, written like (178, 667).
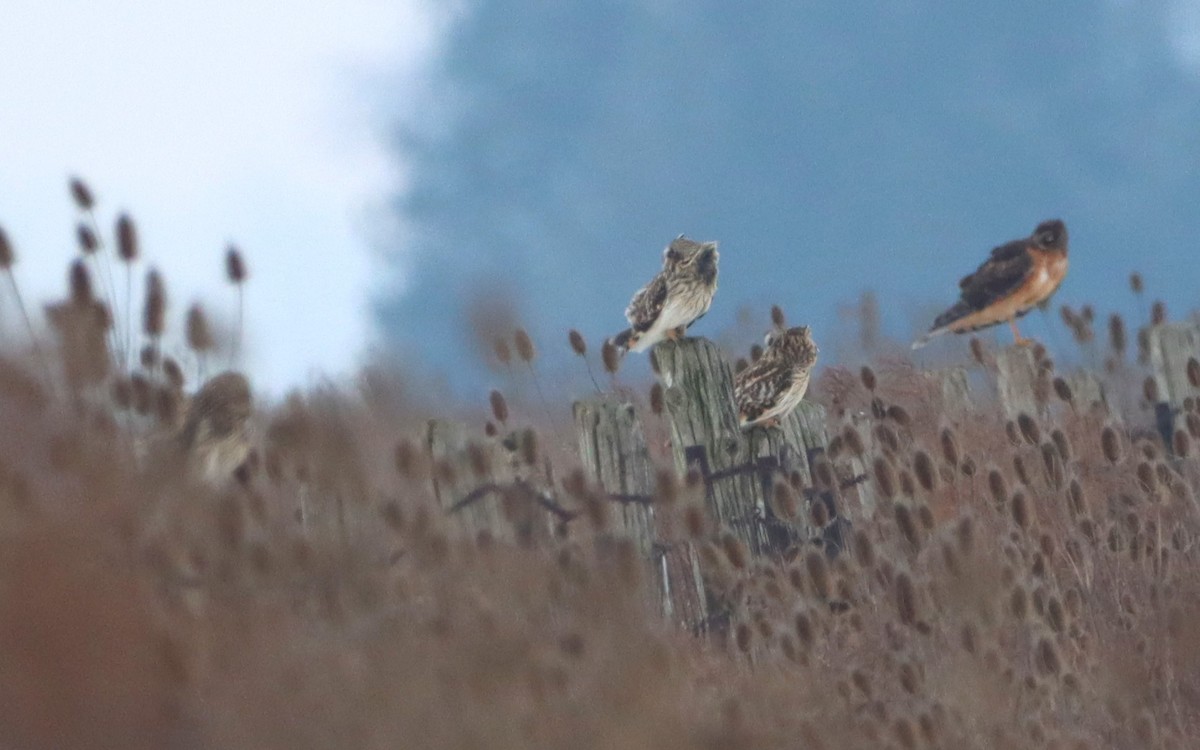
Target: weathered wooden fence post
(955, 391)
(612, 448)
(739, 467)
(1172, 346)
(468, 475)
(1022, 383)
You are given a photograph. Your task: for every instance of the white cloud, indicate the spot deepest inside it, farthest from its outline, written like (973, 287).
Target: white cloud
(259, 122)
(1183, 31)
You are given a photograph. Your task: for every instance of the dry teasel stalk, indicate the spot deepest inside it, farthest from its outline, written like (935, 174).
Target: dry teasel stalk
(949, 447)
(924, 470)
(81, 194)
(1193, 372)
(611, 356)
(1062, 389)
(127, 239)
(154, 314)
(499, 406)
(1150, 389)
(87, 239)
(81, 284)
(524, 345)
(7, 256)
(868, 378)
(502, 351)
(1158, 313)
(778, 320)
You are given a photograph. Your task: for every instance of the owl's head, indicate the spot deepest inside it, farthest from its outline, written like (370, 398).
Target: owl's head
(688, 256)
(1050, 235)
(795, 345)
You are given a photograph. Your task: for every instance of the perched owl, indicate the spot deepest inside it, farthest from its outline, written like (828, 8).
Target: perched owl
(768, 390)
(215, 433)
(674, 299)
(1017, 277)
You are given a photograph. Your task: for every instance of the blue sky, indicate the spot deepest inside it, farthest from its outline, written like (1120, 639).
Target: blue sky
(396, 169)
(259, 122)
(829, 147)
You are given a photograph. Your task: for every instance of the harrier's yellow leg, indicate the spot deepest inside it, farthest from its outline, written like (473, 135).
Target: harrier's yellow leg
(1018, 339)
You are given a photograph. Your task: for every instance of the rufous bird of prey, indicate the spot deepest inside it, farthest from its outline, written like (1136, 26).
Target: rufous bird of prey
(773, 385)
(1017, 277)
(674, 299)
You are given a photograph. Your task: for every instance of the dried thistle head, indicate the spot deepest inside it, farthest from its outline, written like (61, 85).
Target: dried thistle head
(924, 470)
(154, 314)
(235, 265)
(578, 344)
(7, 256)
(1062, 389)
(1116, 334)
(978, 353)
(524, 345)
(1193, 372)
(949, 447)
(81, 284)
(127, 239)
(778, 320)
(1150, 389)
(868, 378)
(81, 194)
(499, 406)
(611, 356)
(656, 398)
(1158, 313)
(199, 335)
(87, 239)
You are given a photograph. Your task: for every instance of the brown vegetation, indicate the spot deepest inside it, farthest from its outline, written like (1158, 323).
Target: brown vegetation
(1017, 584)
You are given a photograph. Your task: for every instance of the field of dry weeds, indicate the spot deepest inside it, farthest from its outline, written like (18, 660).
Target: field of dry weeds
(187, 569)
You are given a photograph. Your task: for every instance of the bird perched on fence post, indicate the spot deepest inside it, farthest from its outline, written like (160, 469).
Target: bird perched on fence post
(678, 296)
(1017, 277)
(773, 385)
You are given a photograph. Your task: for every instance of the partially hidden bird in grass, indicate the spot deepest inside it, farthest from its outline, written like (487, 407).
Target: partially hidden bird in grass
(1017, 277)
(674, 299)
(773, 385)
(215, 434)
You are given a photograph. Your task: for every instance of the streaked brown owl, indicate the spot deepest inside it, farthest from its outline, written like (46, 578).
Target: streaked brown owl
(771, 387)
(676, 298)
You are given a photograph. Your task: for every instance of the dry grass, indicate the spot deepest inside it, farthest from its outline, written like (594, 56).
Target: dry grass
(1023, 584)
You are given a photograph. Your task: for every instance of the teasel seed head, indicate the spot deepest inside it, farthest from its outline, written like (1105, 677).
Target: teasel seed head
(611, 357)
(1158, 313)
(81, 284)
(127, 239)
(867, 376)
(524, 345)
(87, 239)
(578, 345)
(199, 335)
(154, 314)
(502, 351)
(235, 265)
(82, 194)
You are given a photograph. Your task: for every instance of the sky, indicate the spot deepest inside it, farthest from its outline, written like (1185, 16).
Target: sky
(402, 175)
(830, 148)
(258, 122)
